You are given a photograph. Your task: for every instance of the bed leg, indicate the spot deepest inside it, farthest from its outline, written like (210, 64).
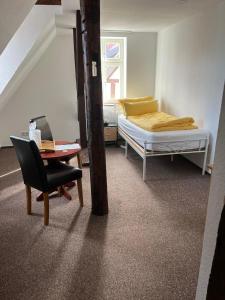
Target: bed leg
(171, 158)
(204, 166)
(205, 158)
(126, 148)
(144, 168)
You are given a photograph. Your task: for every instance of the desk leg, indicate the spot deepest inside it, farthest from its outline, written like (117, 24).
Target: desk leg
(63, 192)
(40, 197)
(71, 184)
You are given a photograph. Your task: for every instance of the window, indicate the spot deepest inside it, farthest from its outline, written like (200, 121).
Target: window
(113, 52)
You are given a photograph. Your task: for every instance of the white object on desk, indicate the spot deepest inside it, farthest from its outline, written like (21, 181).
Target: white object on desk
(35, 135)
(67, 147)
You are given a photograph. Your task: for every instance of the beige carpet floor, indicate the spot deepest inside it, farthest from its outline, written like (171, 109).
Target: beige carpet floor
(148, 247)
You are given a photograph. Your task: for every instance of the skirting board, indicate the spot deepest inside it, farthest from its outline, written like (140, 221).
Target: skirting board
(5, 147)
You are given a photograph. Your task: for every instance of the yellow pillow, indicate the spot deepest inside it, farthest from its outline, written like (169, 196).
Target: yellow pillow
(146, 98)
(140, 108)
(133, 100)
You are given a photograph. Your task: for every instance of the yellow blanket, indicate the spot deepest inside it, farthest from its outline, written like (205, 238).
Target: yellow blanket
(160, 121)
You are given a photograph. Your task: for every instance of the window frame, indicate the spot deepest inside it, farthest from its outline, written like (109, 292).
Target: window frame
(121, 62)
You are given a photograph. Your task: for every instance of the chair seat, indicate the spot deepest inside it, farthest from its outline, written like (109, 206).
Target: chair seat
(59, 174)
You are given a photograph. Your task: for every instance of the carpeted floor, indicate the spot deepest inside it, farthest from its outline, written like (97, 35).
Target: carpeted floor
(148, 247)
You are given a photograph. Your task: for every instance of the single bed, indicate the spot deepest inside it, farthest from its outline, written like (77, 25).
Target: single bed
(148, 144)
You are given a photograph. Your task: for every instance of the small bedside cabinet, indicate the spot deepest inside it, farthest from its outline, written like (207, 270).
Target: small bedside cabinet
(110, 132)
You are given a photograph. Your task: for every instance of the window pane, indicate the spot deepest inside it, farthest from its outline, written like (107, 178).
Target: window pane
(111, 82)
(112, 50)
(113, 68)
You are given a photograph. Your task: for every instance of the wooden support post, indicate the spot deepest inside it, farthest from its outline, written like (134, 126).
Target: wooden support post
(79, 67)
(90, 21)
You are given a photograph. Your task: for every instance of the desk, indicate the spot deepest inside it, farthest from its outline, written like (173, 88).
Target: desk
(62, 155)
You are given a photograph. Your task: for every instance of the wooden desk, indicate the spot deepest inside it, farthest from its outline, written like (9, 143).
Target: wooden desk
(62, 155)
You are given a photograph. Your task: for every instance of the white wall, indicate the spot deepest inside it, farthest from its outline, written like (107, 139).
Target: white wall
(141, 62)
(49, 89)
(215, 206)
(191, 69)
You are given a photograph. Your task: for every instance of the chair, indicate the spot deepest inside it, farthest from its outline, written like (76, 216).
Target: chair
(42, 124)
(43, 178)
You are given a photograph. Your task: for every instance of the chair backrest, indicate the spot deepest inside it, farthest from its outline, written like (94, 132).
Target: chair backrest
(31, 163)
(42, 124)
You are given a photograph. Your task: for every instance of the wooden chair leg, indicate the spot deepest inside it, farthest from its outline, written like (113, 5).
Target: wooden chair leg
(79, 162)
(80, 191)
(59, 191)
(28, 193)
(46, 208)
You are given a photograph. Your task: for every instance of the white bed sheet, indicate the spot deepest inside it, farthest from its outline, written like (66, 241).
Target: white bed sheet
(179, 140)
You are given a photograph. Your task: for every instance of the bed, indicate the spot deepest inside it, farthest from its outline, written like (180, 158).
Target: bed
(148, 144)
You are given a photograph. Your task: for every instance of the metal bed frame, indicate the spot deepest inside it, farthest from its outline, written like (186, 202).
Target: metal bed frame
(145, 153)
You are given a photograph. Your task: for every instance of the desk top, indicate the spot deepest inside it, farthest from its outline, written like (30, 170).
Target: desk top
(60, 154)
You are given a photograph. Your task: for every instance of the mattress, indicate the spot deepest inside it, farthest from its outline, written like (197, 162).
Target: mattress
(179, 140)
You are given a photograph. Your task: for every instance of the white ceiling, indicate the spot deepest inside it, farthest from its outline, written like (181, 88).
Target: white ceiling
(149, 15)
(132, 15)
(70, 5)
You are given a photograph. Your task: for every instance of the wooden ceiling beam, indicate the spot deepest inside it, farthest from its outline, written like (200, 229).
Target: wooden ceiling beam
(48, 2)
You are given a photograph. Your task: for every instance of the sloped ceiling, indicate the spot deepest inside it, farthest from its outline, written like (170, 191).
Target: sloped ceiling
(12, 14)
(149, 15)
(134, 15)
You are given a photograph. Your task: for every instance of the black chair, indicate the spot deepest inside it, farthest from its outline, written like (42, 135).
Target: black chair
(43, 178)
(42, 124)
